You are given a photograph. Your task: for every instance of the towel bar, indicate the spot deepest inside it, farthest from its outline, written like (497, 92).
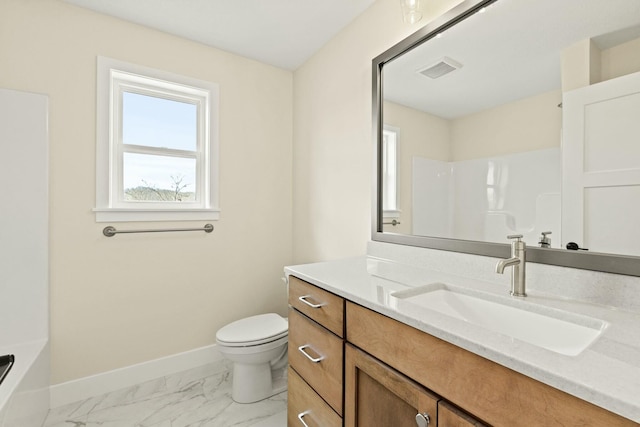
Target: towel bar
(111, 231)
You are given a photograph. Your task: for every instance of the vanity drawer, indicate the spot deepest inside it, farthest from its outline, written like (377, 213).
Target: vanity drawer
(318, 304)
(304, 403)
(317, 355)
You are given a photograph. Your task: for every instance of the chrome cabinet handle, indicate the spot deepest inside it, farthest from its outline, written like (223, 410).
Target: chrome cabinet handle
(302, 349)
(312, 305)
(422, 420)
(301, 415)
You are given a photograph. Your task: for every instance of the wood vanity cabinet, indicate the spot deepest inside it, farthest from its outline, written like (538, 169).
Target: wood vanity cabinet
(316, 356)
(492, 393)
(378, 372)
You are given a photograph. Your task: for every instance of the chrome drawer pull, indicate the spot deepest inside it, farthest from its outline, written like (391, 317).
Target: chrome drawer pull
(303, 299)
(302, 349)
(301, 415)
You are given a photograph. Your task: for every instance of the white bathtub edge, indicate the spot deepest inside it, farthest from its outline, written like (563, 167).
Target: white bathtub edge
(105, 382)
(25, 392)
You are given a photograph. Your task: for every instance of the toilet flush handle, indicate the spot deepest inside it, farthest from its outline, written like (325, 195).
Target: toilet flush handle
(310, 304)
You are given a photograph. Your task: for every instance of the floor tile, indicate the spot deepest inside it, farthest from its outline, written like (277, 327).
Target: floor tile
(200, 397)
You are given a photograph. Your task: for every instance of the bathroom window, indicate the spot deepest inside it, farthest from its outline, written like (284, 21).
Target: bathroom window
(157, 151)
(390, 205)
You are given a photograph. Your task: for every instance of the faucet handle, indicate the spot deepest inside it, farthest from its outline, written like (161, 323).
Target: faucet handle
(517, 243)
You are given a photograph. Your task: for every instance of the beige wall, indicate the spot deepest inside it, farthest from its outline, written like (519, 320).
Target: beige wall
(529, 124)
(131, 298)
(621, 60)
(585, 64)
(525, 125)
(333, 143)
(580, 65)
(421, 135)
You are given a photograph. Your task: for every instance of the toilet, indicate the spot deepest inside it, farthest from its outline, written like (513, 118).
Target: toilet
(257, 346)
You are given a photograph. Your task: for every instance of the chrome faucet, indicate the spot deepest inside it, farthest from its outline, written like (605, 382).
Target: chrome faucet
(517, 261)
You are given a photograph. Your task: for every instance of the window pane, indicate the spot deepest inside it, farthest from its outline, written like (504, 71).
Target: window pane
(389, 171)
(159, 178)
(158, 122)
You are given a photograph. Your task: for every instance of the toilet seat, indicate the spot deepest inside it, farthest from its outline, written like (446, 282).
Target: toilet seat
(254, 330)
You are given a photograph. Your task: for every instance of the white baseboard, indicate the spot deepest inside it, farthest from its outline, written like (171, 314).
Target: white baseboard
(95, 385)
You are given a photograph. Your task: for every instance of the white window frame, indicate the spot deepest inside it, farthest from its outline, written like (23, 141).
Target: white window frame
(390, 172)
(115, 77)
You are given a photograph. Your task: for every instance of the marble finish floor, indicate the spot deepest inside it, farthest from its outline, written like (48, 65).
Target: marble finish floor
(200, 397)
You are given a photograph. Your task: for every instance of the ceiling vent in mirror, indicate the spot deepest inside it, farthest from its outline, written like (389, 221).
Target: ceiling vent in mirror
(440, 68)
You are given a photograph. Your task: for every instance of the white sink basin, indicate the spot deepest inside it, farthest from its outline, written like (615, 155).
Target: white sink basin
(559, 331)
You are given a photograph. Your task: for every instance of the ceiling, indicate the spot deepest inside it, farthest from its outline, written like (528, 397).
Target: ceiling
(283, 33)
(511, 51)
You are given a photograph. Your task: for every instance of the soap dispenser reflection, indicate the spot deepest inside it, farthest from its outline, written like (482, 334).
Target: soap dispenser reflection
(545, 241)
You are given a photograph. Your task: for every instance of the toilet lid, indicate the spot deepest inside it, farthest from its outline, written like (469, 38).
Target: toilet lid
(252, 329)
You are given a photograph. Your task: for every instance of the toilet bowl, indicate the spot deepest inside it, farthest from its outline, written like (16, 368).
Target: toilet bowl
(257, 346)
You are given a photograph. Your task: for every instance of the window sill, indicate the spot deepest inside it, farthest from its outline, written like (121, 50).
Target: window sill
(391, 214)
(133, 215)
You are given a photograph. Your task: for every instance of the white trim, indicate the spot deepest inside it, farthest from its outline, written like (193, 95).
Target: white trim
(126, 215)
(108, 206)
(392, 213)
(106, 382)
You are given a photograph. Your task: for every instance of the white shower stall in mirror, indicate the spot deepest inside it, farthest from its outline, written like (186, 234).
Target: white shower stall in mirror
(477, 199)
(24, 272)
(481, 176)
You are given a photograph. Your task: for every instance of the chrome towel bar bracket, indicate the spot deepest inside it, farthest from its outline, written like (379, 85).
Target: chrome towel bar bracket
(111, 231)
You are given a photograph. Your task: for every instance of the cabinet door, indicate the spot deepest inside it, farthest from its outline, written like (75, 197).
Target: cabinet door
(377, 395)
(450, 416)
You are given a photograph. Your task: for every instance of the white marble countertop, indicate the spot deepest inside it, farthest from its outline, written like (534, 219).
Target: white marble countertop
(607, 373)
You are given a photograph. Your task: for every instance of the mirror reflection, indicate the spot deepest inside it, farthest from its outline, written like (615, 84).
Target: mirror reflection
(521, 119)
